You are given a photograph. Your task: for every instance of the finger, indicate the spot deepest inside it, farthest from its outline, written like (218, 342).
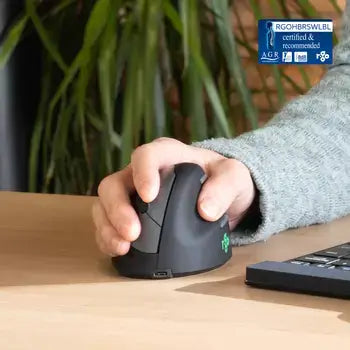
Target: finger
(112, 246)
(220, 190)
(107, 237)
(114, 192)
(147, 160)
(100, 243)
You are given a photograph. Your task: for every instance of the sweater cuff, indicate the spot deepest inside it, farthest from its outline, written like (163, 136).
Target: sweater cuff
(241, 150)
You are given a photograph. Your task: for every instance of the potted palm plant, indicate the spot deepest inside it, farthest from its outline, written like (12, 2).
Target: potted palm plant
(117, 73)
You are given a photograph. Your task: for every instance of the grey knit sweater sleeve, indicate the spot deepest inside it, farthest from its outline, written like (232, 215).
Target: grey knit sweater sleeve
(300, 161)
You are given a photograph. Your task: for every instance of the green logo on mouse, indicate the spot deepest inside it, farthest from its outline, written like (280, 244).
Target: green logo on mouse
(225, 242)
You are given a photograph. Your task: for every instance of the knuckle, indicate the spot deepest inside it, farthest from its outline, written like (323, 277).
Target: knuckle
(99, 240)
(106, 233)
(163, 139)
(141, 151)
(100, 246)
(109, 181)
(168, 140)
(122, 250)
(104, 184)
(94, 210)
(120, 247)
(103, 244)
(106, 249)
(112, 212)
(119, 216)
(231, 164)
(98, 237)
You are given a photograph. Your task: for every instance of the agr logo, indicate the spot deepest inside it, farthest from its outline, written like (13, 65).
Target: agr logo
(322, 56)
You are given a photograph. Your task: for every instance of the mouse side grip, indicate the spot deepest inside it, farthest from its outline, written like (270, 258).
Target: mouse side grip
(188, 242)
(151, 216)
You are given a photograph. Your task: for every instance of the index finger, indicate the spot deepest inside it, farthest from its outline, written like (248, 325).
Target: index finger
(147, 160)
(114, 192)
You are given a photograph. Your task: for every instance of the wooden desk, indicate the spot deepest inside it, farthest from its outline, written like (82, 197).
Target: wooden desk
(58, 292)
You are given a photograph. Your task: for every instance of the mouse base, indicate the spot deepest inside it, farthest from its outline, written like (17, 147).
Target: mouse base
(152, 273)
(166, 274)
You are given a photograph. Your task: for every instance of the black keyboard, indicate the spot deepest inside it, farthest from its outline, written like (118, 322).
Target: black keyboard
(326, 272)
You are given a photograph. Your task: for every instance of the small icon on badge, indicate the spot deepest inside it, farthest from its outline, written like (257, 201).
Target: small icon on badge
(287, 56)
(300, 56)
(322, 56)
(270, 36)
(270, 56)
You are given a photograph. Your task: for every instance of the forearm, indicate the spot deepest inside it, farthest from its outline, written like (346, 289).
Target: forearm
(300, 161)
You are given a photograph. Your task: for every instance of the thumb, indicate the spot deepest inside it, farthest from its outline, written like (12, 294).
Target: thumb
(223, 188)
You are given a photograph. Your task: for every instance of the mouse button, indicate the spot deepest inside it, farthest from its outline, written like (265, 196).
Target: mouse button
(140, 205)
(203, 178)
(149, 238)
(156, 209)
(223, 221)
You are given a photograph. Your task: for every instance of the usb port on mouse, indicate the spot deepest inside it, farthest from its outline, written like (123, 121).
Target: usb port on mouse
(162, 274)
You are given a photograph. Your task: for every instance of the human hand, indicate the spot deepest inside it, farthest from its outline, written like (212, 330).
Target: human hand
(228, 189)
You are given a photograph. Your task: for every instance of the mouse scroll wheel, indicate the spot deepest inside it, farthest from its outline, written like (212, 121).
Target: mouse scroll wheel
(203, 178)
(140, 205)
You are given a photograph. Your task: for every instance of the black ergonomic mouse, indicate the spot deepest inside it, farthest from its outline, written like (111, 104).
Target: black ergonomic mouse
(175, 240)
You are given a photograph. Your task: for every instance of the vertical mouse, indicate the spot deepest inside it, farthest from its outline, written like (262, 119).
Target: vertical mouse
(175, 240)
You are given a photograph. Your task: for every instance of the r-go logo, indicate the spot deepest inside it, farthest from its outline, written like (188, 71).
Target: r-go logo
(322, 56)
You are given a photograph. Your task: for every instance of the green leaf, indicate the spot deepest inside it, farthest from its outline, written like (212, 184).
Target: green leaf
(55, 149)
(150, 50)
(137, 97)
(159, 105)
(97, 22)
(193, 85)
(253, 54)
(256, 9)
(58, 8)
(193, 102)
(36, 139)
(11, 40)
(275, 70)
(233, 61)
(336, 6)
(308, 8)
(81, 91)
(106, 65)
(44, 35)
(68, 78)
(279, 85)
(96, 122)
(184, 11)
(130, 128)
(94, 27)
(275, 6)
(123, 51)
(171, 13)
(305, 77)
(212, 94)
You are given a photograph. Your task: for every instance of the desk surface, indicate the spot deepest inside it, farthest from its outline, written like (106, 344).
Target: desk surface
(58, 292)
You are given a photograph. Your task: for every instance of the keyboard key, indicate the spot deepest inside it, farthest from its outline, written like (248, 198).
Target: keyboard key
(297, 262)
(341, 262)
(320, 265)
(336, 252)
(316, 259)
